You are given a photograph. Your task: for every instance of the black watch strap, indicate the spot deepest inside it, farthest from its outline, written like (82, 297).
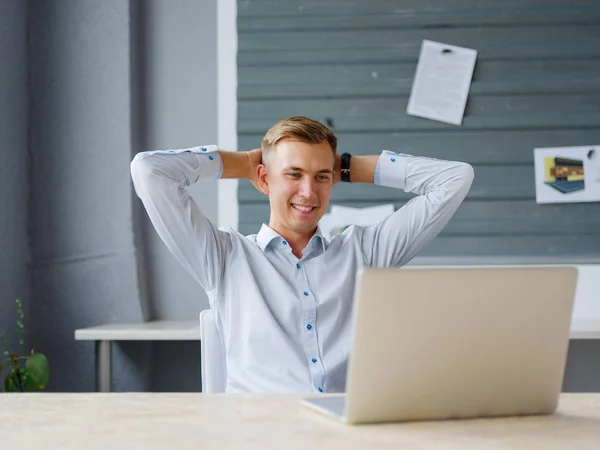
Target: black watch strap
(346, 167)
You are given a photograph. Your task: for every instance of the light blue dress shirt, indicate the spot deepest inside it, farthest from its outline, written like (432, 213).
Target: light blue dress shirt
(286, 323)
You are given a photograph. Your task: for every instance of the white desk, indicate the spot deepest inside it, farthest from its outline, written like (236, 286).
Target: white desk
(585, 329)
(220, 421)
(190, 331)
(103, 336)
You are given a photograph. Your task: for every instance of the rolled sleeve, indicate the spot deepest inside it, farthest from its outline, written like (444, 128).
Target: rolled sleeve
(160, 180)
(440, 185)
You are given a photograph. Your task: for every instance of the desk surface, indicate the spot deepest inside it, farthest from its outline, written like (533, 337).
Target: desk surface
(193, 421)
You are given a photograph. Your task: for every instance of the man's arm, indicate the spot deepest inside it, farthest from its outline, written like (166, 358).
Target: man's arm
(161, 179)
(441, 187)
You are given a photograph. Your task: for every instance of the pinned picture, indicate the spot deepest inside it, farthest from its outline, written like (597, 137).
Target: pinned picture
(567, 174)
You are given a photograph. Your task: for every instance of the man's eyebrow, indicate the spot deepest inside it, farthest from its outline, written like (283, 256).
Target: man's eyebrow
(300, 169)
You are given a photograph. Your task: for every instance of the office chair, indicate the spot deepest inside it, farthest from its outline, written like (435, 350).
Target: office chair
(212, 355)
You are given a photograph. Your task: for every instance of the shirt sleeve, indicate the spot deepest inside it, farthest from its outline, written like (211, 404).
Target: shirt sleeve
(160, 179)
(441, 186)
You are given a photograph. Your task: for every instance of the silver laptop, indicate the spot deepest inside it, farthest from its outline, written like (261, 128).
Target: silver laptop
(454, 343)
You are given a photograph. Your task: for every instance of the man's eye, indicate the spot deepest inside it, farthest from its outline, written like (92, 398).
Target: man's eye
(323, 177)
(295, 175)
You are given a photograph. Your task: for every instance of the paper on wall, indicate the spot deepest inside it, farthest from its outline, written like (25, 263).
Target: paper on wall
(442, 81)
(567, 174)
(341, 217)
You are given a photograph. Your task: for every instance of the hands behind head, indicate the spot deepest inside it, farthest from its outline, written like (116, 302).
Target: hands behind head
(254, 160)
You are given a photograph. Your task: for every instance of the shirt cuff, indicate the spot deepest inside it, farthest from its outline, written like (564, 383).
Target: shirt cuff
(391, 169)
(202, 149)
(211, 166)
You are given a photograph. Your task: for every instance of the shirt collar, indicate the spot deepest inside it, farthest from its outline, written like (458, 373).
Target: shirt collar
(267, 234)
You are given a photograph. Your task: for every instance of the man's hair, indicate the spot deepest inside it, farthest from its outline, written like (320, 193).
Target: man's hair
(298, 128)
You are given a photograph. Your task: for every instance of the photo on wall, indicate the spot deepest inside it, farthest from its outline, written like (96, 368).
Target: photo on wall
(567, 174)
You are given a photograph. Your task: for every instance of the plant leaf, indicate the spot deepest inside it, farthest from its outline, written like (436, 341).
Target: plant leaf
(9, 383)
(29, 384)
(38, 368)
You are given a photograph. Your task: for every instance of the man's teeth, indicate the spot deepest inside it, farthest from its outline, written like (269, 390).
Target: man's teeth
(303, 208)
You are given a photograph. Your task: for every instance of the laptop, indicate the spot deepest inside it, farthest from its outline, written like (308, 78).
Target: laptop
(455, 343)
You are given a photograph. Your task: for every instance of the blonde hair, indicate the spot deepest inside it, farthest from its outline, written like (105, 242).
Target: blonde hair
(299, 128)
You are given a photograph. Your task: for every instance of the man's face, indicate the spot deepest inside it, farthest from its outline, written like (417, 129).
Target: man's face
(298, 179)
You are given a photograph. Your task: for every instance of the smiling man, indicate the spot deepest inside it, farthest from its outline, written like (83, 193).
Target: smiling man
(282, 298)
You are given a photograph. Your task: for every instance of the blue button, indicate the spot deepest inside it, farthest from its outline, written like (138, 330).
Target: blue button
(203, 149)
(314, 360)
(211, 158)
(171, 151)
(309, 326)
(320, 389)
(297, 265)
(284, 242)
(305, 294)
(392, 160)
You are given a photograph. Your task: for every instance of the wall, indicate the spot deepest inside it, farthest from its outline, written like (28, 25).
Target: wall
(227, 46)
(89, 84)
(179, 109)
(81, 143)
(14, 189)
(83, 258)
(297, 44)
(352, 65)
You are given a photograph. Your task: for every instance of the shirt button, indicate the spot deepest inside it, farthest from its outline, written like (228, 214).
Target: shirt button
(314, 360)
(284, 242)
(297, 265)
(211, 158)
(320, 389)
(203, 149)
(305, 294)
(392, 159)
(309, 326)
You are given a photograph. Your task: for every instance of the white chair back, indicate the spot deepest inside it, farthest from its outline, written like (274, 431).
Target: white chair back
(212, 355)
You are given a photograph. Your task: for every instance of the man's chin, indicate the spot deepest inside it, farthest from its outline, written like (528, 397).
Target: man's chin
(304, 227)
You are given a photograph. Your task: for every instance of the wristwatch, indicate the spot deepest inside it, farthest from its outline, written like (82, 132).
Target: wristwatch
(346, 167)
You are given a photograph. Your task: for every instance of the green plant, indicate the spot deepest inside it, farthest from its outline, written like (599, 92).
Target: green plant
(25, 373)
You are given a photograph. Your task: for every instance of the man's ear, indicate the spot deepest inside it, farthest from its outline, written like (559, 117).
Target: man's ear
(262, 179)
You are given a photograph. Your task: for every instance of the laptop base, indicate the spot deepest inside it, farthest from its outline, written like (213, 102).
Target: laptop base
(333, 406)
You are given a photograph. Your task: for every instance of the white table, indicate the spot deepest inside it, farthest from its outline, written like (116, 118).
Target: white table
(104, 335)
(151, 421)
(585, 329)
(190, 331)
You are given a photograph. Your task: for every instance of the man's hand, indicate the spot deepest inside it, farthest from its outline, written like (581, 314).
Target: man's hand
(254, 160)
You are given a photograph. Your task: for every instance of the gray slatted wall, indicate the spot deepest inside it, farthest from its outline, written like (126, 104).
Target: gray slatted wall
(351, 64)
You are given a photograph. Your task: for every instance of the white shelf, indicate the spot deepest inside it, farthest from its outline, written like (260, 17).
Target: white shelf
(165, 330)
(585, 329)
(158, 330)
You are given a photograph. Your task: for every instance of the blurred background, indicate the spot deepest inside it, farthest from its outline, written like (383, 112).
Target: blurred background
(86, 84)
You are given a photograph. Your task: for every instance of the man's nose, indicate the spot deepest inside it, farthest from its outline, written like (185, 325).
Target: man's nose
(307, 189)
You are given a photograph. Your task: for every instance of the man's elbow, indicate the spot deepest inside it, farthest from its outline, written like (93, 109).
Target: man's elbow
(140, 169)
(465, 177)
(468, 173)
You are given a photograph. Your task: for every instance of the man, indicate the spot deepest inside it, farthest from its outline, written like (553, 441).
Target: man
(282, 298)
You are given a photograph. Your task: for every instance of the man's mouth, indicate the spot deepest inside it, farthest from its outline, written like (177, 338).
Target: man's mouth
(302, 208)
